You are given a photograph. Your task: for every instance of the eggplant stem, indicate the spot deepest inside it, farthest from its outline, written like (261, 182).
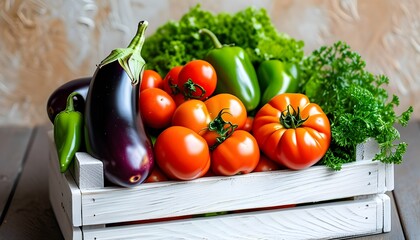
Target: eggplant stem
(130, 58)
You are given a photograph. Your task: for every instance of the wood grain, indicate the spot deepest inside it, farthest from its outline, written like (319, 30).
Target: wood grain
(30, 215)
(396, 232)
(229, 193)
(322, 221)
(14, 142)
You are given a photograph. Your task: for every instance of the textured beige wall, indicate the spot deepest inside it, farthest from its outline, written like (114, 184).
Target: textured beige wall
(44, 43)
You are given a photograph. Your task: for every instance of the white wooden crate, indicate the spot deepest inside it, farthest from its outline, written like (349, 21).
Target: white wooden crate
(331, 204)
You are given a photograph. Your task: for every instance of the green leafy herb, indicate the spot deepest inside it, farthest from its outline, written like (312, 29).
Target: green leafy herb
(355, 102)
(177, 42)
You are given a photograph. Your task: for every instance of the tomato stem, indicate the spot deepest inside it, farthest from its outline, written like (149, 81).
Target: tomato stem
(173, 86)
(291, 119)
(223, 128)
(190, 87)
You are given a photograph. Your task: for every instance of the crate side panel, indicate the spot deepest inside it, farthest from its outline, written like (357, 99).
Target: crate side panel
(68, 195)
(384, 201)
(57, 193)
(333, 220)
(214, 194)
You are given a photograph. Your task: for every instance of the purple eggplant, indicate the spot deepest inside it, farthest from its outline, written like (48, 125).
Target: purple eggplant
(58, 99)
(114, 131)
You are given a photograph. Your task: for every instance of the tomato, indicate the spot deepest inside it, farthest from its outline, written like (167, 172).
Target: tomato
(181, 153)
(214, 118)
(197, 79)
(292, 131)
(235, 110)
(178, 98)
(248, 124)
(170, 85)
(156, 108)
(156, 176)
(239, 153)
(192, 114)
(151, 79)
(170, 81)
(265, 164)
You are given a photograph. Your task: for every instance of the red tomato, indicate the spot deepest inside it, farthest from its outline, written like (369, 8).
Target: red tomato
(182, 154)
(156, 176)
(292, 131)
(170, 82)
(156, 108)
(215, 118)
(265, 164)
(192, 114)
(150, 79)
(235, 110)
(239, 153)
(197, 79)
(179, 99)
(170, 85)
(248, 124)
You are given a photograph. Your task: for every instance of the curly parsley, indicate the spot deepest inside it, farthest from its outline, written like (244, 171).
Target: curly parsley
(355, 102)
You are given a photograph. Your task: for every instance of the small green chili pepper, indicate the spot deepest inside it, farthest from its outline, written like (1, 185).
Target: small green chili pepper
(276, 77)
(235, 73)
(68, 127)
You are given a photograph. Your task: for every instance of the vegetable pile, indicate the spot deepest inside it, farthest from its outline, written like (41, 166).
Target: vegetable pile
(225, 94)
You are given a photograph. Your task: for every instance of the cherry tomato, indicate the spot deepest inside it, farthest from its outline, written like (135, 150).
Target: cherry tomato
(248, 124)
(182, 154)
(156, 108)
(192, 114)
(179, 99)
(214, 118)
(292, 131)
(197, 79)
(265, 164)
(150, 79)
(170, 85)
(239, 153)
(235, 110)
(170, 81)
(156, 176)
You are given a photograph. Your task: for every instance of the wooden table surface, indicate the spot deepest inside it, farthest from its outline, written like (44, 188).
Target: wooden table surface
(26, 213)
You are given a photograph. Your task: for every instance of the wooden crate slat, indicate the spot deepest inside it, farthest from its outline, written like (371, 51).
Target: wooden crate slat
(213, 194)
(66, 226)
(64, 193)
(332, 220)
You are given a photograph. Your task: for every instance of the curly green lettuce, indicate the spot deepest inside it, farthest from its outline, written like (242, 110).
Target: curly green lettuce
(177, 42)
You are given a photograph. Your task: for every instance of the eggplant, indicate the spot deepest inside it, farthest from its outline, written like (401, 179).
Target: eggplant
(114, 131)
(58, 99)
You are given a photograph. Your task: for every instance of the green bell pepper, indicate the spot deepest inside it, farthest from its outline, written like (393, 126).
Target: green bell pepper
(276, 77)
(68, 127)
(235, 73)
